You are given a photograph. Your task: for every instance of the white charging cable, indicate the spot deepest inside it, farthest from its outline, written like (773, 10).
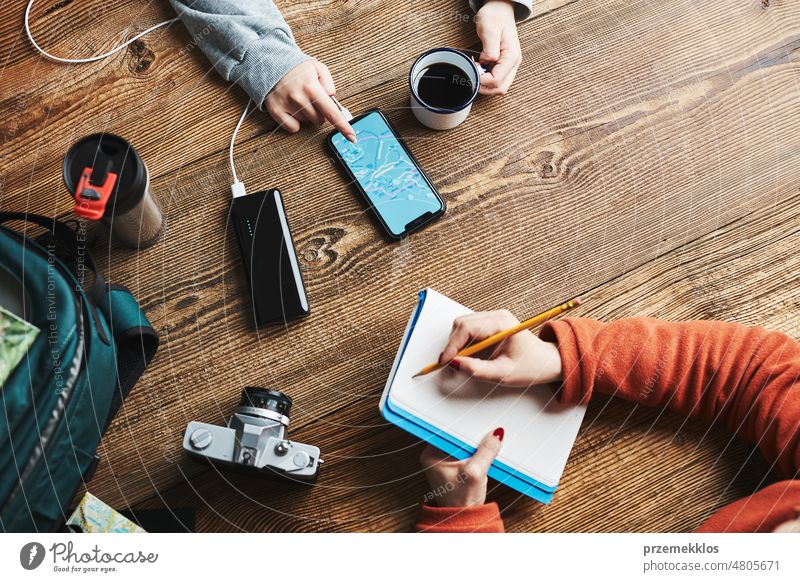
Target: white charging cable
(87, 59)
(237, 188)
(345, 111)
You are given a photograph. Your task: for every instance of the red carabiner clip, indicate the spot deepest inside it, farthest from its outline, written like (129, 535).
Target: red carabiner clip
(91, 199)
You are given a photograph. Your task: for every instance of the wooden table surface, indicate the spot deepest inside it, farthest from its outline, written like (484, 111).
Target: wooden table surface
(647, 158)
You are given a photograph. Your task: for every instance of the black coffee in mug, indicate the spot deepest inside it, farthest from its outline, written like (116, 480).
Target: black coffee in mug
(444, 86)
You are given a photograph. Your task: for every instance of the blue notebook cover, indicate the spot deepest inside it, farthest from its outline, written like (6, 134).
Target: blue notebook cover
(449, 443)
(425, 432)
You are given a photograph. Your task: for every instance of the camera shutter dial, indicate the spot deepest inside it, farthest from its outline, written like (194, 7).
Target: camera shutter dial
(201, 438)
(301, 459)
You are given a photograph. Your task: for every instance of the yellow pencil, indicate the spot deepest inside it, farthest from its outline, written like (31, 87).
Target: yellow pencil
(498, 337)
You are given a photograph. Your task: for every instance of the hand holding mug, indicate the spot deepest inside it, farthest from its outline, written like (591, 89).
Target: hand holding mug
(497, 29)
(518, 361)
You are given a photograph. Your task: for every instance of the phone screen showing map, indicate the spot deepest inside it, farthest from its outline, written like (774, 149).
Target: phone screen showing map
(391, 180)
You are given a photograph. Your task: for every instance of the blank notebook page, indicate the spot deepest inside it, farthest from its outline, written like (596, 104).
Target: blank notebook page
(539, 432)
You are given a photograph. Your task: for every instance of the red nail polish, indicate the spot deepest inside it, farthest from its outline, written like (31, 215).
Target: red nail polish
(499, 433)
(455, 364)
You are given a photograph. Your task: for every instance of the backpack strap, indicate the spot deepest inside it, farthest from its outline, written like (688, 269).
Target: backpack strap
(65, 236)
(56, 227)
(136, 339)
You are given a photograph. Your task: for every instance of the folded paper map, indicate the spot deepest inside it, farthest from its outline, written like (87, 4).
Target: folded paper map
(16, 336)
(94, 516)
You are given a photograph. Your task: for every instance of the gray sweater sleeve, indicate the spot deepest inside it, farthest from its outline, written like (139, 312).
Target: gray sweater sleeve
(522, 8)
(247, 41)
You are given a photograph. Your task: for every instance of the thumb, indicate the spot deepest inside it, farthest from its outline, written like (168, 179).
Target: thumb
(490, 38)
(494, 370)
(487, 451)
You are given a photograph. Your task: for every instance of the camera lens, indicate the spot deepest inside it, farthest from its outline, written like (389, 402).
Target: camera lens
(266, 399)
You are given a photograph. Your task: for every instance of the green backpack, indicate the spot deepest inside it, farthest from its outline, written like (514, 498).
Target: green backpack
(91, 349)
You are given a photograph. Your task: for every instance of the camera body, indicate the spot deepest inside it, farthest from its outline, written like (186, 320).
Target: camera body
(255, 439)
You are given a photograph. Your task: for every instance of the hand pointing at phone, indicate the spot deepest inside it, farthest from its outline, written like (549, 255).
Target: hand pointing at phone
(304, 95)
(250, 43)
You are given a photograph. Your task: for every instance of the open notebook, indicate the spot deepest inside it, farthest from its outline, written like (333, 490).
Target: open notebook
(454, 413)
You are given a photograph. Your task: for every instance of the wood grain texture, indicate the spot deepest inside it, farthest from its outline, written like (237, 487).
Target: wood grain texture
(648, 155)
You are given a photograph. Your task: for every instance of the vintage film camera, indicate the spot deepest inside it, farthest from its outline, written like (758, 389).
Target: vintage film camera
(255, 439)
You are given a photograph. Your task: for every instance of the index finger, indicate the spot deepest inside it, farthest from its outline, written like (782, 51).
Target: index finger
(497, 77)
(323, 103)
(475, 326)
(502, 69)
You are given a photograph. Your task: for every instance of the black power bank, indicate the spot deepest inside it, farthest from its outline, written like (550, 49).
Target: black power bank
(276, 283)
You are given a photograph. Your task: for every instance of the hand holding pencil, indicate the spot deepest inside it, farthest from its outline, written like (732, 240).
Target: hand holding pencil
(517, 357)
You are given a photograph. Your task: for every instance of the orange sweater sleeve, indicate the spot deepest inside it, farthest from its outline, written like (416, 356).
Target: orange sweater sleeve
(758, 513)
(744, 377)
(475, 519)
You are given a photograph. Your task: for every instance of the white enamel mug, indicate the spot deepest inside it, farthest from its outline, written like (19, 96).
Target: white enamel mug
(437, 117)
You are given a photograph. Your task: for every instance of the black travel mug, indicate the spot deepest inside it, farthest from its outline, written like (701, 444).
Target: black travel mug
(109, 181)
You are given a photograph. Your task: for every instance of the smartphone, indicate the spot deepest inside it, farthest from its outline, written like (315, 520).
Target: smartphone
(383, 170)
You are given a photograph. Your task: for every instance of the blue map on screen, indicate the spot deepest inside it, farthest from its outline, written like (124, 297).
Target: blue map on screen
(394, 185)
